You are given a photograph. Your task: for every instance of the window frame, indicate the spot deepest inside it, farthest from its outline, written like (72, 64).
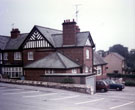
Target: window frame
(5, 56)
(17, 56)
(87, 54)
(30, 55)
(74, 70)
(86, 69)
(99, 70)
(13, 72)
(1, 58)
(49, 71)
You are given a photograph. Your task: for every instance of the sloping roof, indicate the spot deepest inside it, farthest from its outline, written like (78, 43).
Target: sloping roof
(98, 60)
(54, 61)
(15, 43)
(117, 55)
(3, 41)
(55, 37)
(81, 39)
(47, 32)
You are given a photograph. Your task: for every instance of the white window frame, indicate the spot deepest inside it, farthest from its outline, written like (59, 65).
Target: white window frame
(49, 71)
(5, 56)
(74, 70)
(0, 58)
(13, 72)
(30, 56)
(99, 70)
(87, 54)
(86, 69)
(17, 56)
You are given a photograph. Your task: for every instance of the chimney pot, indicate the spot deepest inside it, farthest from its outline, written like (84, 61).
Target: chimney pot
(69, 32)
(15, 33)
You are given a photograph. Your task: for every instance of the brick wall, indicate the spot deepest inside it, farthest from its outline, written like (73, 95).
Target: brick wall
(76, 54)
(69, 32)
(35, 74)
(11, 60)
(38, 54)
(88, 62)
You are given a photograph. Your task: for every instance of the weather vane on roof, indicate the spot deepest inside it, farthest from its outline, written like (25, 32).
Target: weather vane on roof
(77, 11)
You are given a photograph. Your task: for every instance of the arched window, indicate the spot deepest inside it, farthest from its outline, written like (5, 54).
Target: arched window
(87, 54)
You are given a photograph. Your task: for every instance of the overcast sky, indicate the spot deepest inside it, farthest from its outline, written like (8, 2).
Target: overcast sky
(109, 21)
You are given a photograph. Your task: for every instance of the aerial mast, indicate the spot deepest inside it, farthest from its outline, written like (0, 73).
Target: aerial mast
(77, 11)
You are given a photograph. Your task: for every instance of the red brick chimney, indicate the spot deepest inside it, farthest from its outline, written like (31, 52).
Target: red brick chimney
(69, 32)
(15, 33)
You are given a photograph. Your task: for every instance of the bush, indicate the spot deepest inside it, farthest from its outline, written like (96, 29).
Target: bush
(130, 82)
(118, 75)
(67, 81)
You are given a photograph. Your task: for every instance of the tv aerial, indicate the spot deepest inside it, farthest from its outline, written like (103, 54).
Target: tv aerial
(77, 11)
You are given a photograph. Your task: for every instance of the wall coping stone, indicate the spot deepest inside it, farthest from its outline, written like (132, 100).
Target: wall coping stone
(72, 87)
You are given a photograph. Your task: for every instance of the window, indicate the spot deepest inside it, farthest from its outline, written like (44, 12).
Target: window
(5, 56)
(86, 69)
(17, 56)
(49, 71)
(30, 56)
(12, 72)
(0, 58)
(99, 70)
(87, 54)
(74, 71)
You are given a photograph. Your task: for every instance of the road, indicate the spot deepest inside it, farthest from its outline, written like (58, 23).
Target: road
(21, 97)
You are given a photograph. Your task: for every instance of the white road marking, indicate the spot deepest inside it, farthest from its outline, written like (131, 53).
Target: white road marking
(19, 93)
(121, 105)
(40, 95)
(68, 97)
(89, 101)
(2, 87)
(4, 90)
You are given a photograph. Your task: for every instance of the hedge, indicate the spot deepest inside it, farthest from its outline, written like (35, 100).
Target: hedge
(130, 82)
(118, 75)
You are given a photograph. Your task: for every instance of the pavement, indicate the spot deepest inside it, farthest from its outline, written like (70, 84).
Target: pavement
(22, 97)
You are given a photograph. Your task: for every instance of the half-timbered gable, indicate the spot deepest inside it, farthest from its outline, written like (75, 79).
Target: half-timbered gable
(36, 40)
(40, 37)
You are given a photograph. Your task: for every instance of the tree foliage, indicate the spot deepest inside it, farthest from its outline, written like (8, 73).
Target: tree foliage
(118, 48)
(123, 51)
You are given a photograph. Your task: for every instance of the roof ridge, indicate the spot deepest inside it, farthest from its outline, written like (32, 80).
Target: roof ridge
(83, 31)
(118, 55)
(57, 34)
(47, 28)
(57, 53)
(4, 36)
(23, 33)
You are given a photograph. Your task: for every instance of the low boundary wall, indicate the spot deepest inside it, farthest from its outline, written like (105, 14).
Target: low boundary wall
(72, 87)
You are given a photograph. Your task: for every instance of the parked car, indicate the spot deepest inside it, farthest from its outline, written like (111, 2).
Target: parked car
(114, 85)
(102, 86)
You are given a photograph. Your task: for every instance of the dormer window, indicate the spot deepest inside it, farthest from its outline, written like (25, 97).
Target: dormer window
(17, 56)
(30, 56)
(5, 56)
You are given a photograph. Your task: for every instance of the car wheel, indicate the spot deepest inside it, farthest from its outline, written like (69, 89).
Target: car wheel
(118, 89)
(102, 90)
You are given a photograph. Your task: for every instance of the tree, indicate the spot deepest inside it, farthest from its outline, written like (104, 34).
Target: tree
(123, 51)
(120, 49)
(131, 61)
